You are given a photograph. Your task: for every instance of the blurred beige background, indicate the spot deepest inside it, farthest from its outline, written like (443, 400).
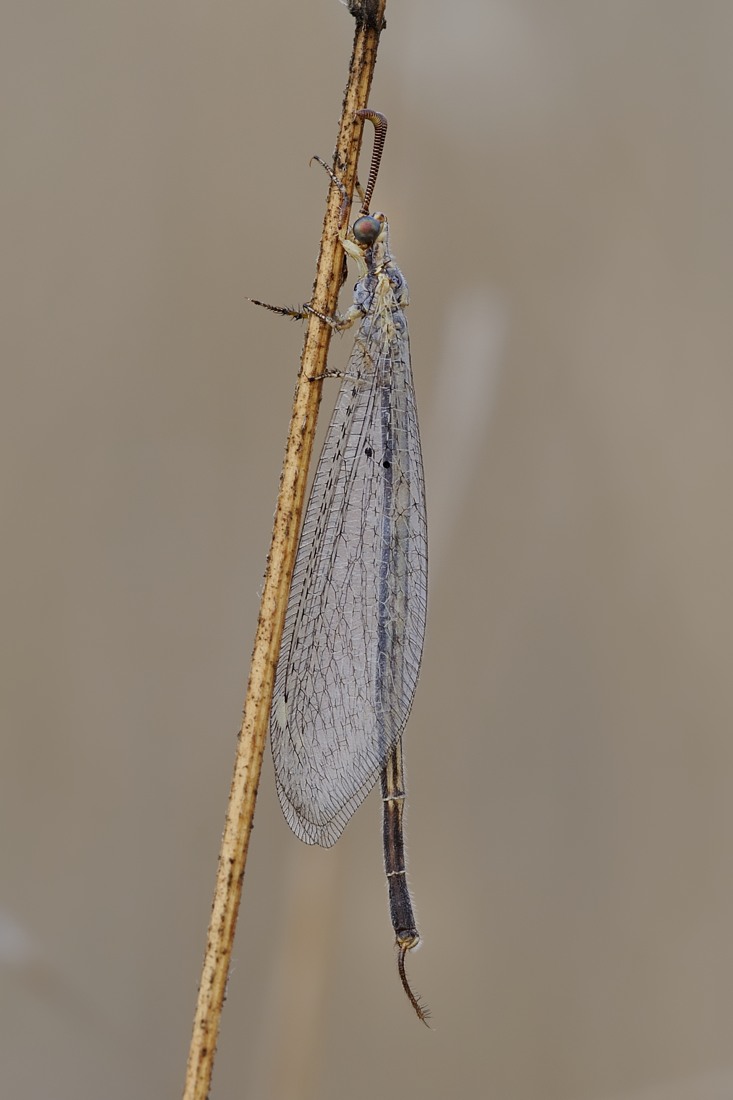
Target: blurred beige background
(558, 178)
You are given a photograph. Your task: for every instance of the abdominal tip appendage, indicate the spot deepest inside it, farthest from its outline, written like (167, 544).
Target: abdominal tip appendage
(422, 1011)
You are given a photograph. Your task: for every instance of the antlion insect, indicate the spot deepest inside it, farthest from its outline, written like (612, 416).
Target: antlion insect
(355, 622)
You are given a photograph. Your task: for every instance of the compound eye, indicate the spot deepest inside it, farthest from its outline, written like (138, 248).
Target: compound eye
(366, 229)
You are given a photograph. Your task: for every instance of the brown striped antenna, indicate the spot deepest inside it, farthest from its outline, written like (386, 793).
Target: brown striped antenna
(380, 132)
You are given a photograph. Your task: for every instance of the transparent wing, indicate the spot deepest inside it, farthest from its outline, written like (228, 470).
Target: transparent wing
(355, 621)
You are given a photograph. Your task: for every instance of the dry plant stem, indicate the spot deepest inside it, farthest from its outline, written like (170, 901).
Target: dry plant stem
(369, 16)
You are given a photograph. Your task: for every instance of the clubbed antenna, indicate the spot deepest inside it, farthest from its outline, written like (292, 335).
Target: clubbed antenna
(380, 132)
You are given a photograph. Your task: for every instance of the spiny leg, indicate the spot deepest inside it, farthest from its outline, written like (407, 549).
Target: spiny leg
(284, 311)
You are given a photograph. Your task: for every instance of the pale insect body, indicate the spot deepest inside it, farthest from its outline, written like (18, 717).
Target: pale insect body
(355, 622)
